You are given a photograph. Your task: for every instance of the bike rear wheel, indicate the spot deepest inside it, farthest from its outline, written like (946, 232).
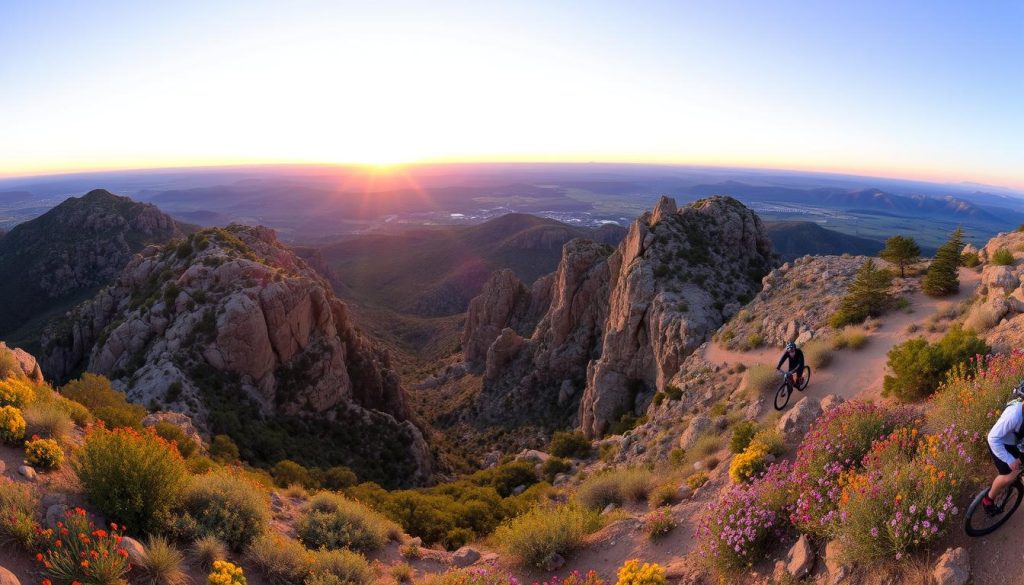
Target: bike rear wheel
(806, 380)
(978, 522)
(782, 396)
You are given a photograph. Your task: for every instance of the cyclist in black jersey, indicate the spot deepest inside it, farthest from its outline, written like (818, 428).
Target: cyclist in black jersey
(795, 369)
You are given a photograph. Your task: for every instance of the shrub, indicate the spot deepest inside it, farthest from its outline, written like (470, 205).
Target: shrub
(772, 441)
(633, 573)
(16, 392)
(673, 392)
(1002, 257)
(663, 495)
(918, 367)
(12, 425)
(62, 558)
(705, 446)
(172, 433)
(615, 487)
(410, 550)
(47, 420)
(282, 561)
(287, 472)
(225, 505)
(867, 296)
(207, 550)
(850, 338)
(569, 445)
(402, 572)
(836, 443)
(162, 564)
(482, 576)
(106, 403)
(535, 537)
(345, 567)
(697, 480)
(754, 341)
(223, 449)
(818, 354)
(225, 573)
(761, 380)
(970, 259)
(9, 366)
(554, 466)
(133, 478)
(749, 464)
(659, 522)
(339, 478)
(742, 433)
(43, 453)
(332, 521)
(741, 527)
(18, 505)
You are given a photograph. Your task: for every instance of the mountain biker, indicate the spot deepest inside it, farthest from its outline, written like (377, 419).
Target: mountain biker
(1002, 445)
(795, 369)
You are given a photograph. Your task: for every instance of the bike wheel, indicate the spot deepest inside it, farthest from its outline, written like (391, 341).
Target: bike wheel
(782, 396)
(806, 380)
(977, 522)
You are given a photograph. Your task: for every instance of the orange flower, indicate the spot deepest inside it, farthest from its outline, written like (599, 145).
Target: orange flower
(85, 564)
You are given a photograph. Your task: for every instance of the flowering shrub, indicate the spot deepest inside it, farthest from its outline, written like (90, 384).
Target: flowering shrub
(43, 453)
(576, 578)
(836, 443)
(903, 496)
(12, 425)
(78, 552)
(16, 392)
(659, 522)
(18, 505)
(975, 394)
(696, 480)
(751, 462)
(633, 573)
(736, 531)
(132, 477)
(475, 576)
(225, 573)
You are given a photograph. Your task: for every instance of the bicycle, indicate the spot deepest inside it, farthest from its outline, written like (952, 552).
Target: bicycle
(786, 389)
(977, 520)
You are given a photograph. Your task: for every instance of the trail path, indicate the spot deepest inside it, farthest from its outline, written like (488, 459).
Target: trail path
(857, 373)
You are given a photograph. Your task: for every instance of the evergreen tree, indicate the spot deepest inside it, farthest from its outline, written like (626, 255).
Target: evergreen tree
(901, 251)
(943, 277)
(867, 296)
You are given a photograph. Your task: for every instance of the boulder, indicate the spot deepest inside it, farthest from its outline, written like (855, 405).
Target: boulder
(953, 567)
(838, 572)
(465, 556)
(136, 552)
(27, 472)
(800, 559)
(697, 426)
(795, 423)
(831, 401)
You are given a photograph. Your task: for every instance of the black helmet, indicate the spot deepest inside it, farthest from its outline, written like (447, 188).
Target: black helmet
(790, 345)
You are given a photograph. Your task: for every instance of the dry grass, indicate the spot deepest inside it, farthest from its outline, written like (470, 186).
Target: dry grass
(760, 380)
(616, 487)
(981, 318)
(817, 354)
(850, 338)
(535, 537)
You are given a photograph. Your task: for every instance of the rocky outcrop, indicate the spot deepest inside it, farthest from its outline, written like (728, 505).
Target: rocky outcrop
(76, 247)
(953, 567)
(998, 304)
(673, 282)
(233, 315)
(26, 362)
(618, 323)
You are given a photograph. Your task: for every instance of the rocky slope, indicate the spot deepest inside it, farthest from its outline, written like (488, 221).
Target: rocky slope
(230, 325)
(71, 250)
(997, 309)
(619, 322)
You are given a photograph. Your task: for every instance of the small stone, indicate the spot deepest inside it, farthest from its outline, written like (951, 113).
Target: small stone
(554, 562)
(27, 472)
(838, 572)
(685, 492)
(800, 559)
(609, 509)
(51, 498)
(55, 513)
(8, 578)
(698, 425)
(518, 490)
(953, 567)
(136, 552)
(465, 556)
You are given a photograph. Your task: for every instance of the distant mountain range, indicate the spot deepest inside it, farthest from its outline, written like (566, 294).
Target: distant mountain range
(793, 239)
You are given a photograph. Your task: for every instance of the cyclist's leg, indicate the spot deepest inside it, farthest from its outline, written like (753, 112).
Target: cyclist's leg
(1006, 474)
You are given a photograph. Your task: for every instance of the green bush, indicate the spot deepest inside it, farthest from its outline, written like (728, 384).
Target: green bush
(570, 445)
(332, 521)
(553, 466)
(106, 403)
(340, 567)
(849, 338)
(286, 562)
(18, 506)
(133, 478)
(207, 550)
(663, 495)
(339, 478)
(970, 259)
(288, 472)
(534, 538)
(225, 505)
(43, 453)
(616, 486)
(223, 449)
(918, 367)
(1002, 257)
(943, 277)
(172, 433)
(673, 392)
(16, 392)
(742, 433)
(867, 296)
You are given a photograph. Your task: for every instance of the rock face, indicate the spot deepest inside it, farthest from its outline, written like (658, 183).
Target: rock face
(616, 323)
(78, 246)
(26, 362)
(232, 315)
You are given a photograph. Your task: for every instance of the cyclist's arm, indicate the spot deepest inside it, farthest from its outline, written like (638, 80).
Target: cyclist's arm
(781, 360)
(799, 362)
(1007, 424)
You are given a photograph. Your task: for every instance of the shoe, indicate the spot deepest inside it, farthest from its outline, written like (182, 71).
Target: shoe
(990, 507)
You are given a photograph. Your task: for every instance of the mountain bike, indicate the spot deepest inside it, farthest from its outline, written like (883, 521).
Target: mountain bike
(977, 520)
(788, 384)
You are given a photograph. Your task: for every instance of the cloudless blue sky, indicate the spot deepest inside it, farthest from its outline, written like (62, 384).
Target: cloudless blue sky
(919, 89)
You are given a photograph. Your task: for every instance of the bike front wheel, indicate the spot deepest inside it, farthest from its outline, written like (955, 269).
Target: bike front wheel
(977, 520)
(782, 396)
(806, 378)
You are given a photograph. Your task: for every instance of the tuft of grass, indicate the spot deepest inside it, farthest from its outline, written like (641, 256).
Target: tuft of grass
(615, 487)
(161, 564)
(536, 537)
(402, 572)
(850, 338)
(742, 433)
(281, 560)
(208, 550)
(817, 354)
(982, 318)
(706, 445)
(48, 420)
(1002, 257)
(760, 380)
(18, 505)
(663, 495)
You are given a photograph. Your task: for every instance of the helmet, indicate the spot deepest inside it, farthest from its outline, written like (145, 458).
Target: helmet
(792, 345)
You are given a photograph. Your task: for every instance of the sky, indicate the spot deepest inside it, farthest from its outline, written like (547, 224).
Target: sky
(926, 90)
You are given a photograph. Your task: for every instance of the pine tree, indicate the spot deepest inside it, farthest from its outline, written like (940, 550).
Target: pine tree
(901, 251)
(867, 296)
(943, 277)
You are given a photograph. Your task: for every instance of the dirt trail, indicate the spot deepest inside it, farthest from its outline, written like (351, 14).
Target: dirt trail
(857, 373)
